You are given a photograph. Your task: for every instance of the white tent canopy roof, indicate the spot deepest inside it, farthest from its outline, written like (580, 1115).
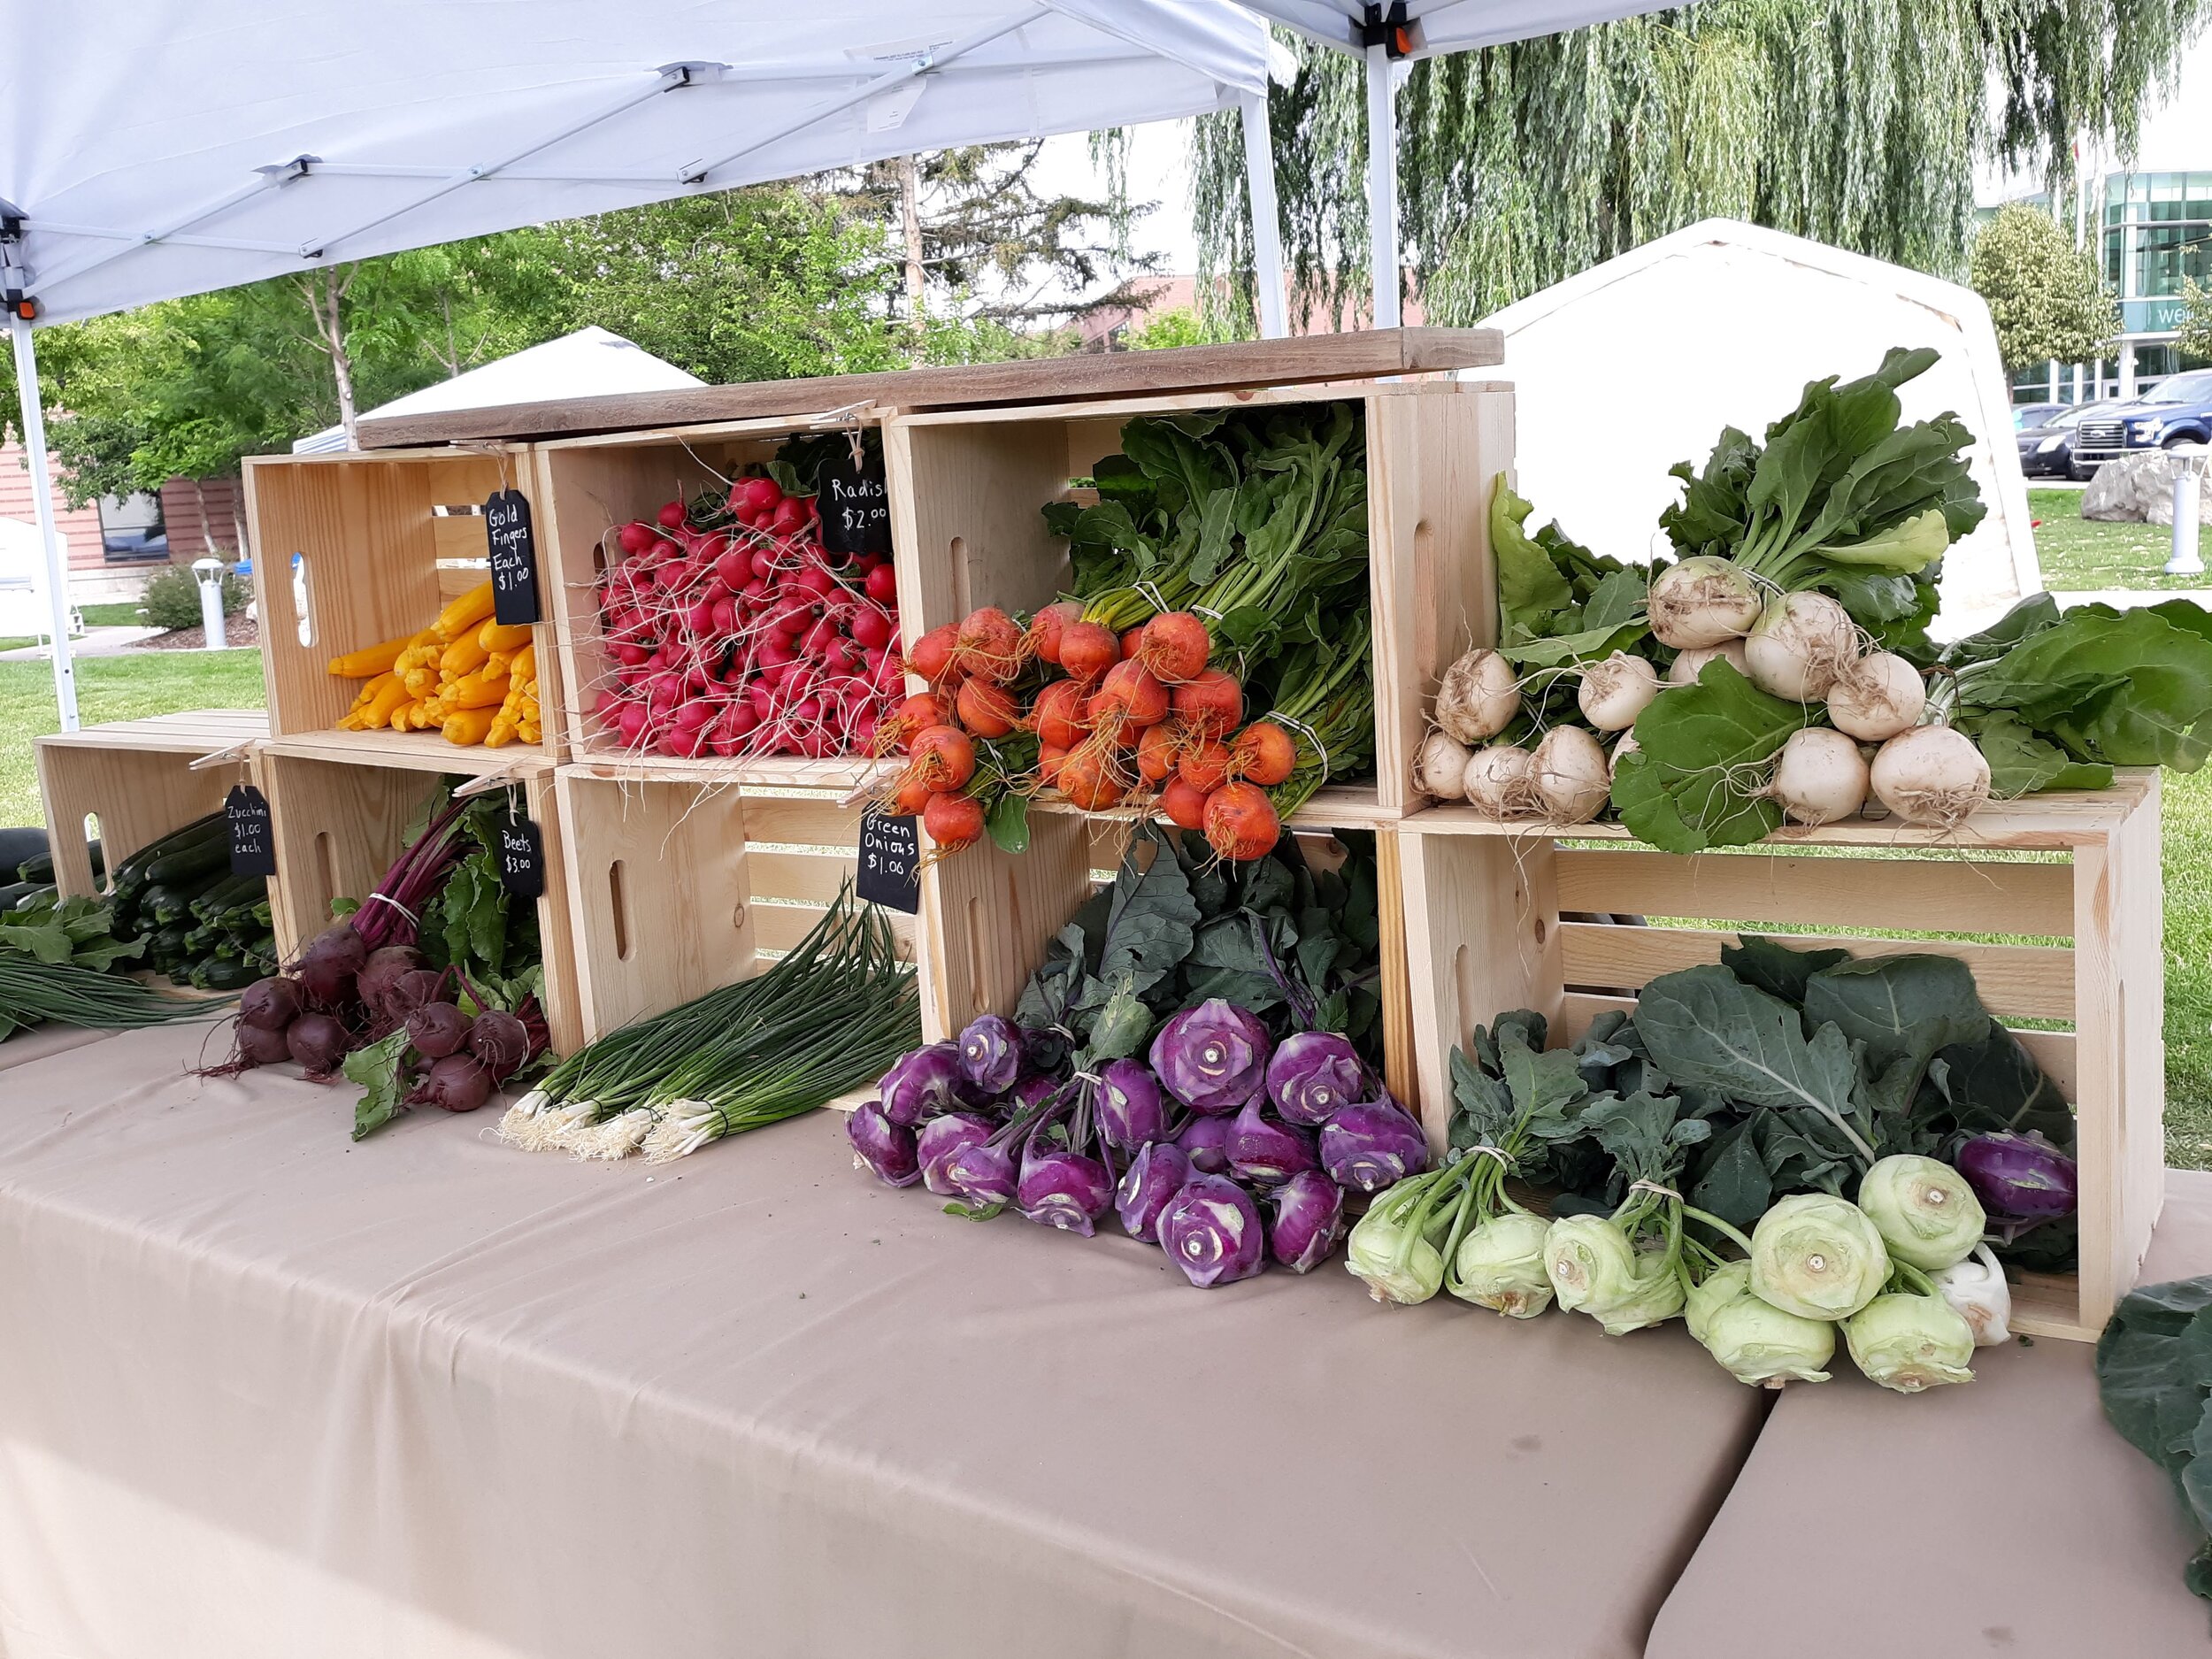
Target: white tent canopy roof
(1446, 26)
(155, 152)
(590, 363)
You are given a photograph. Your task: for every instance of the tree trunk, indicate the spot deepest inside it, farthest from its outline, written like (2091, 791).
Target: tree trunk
(325, 294)
(207, 530)
(911, 223)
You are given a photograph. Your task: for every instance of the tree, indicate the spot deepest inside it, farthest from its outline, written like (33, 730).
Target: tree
(1854, 122)
(2044, 293)
(2195, 340)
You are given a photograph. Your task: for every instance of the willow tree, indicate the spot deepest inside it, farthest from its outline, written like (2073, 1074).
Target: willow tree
(1854, 122)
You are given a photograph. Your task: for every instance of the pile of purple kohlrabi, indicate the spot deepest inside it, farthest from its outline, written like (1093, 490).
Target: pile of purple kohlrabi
(1226, 1148)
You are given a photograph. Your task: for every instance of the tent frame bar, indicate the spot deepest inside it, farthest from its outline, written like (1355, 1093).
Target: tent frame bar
(43, 502)
(265, 179)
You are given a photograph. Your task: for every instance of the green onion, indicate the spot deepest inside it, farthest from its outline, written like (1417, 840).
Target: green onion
(32, 991)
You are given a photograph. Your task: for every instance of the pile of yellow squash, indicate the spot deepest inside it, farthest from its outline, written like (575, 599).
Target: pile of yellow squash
(466, 675)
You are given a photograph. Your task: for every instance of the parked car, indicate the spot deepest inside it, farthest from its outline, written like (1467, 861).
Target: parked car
(2047, 450)
(2177, 411)
(2028, 415)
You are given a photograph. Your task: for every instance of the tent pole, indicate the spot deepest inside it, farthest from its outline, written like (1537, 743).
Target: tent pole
(43, 497)
(1382, 187)
(1267, 236)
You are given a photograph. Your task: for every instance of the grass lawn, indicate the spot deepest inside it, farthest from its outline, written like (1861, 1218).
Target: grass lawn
(117, 616)
(2079, 555)
(109, 688)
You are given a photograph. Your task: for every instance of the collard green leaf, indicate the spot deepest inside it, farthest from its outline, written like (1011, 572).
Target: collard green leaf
(1995, 1084)
(1775, 968)
(1732, 1181)
(1899, 1006)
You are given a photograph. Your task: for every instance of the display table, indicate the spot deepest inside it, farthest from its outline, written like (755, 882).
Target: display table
(39, 1041)
(2004, 1517)
(263, 1391)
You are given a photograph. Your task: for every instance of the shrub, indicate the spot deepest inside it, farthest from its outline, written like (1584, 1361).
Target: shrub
(172, 599)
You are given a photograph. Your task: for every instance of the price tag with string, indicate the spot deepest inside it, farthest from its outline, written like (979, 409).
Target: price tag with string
(521, 852)
(854, 500)
(511, 543)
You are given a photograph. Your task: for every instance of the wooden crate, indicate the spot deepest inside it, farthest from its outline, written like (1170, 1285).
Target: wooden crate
(757, 869)
(385, 540)
(339, 822)
(589, 485)
(965, 492)
(1500, 917)
(131, 782)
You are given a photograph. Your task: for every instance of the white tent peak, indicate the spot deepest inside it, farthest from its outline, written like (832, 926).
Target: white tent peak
(1623, 369)
(590, 363)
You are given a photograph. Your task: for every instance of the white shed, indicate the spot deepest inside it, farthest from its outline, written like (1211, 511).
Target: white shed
(1638, 362)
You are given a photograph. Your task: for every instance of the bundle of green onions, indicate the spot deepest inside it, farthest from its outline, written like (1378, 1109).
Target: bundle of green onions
(33, 992)
(829, 1018)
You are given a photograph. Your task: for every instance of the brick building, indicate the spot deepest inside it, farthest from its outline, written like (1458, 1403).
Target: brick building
(114, 546)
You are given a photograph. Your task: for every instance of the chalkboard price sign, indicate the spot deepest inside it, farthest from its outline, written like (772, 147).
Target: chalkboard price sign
(514, 555)
(855, 505)
(890, 862)
(252, 837)
(521, 857)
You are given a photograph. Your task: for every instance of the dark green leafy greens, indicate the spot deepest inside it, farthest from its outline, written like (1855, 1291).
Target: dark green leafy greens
(1696, 777)
(2155, 1373)
(1558, 601)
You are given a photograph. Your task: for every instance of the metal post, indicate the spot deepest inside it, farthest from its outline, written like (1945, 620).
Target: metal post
(1382, 187)
(43, 500)
(1267, 237)
(2188, 484)
(209, 574)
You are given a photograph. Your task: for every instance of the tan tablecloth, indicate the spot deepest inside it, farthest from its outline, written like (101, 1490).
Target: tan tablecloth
(39, 1042)
(2003, 1517)
(264, 1393)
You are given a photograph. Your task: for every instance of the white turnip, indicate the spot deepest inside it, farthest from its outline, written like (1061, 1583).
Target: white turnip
(1616, 690)
(1930, 775)
(1497, 780)
(1702, 601)
(1622, 750)
(1568, 778)
(1440, 769)
(1798, 645)
(1478, 697)
(1686, 668)
(1877, 697)
(1820, 777)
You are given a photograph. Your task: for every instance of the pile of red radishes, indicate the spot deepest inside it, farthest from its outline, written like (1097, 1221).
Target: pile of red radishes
(730, 631)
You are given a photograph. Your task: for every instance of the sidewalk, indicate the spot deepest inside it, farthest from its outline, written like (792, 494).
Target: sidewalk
(91, 642)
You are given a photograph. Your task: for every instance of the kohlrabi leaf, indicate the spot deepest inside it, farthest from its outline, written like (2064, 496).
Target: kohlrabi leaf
(1899, 1006)
(1695, 777)
(1775, 968)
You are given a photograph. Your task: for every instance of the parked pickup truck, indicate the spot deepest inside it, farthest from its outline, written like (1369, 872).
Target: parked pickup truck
(2177, 411)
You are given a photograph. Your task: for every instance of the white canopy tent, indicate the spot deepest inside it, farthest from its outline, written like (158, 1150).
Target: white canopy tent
(1388, 37)
(153, 150)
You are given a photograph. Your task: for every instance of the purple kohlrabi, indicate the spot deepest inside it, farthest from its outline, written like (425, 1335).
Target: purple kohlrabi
(982, 1174)
(1212, 1230)
(1205, 1142)
(1129, 1108)
(1371, 1145)
(922, 1084)
(1264, 1152)
(1308, 1220)
(1312, 1076)
(939, 1139)
(1063, 1189)
(1213, 1057)
(2019, 1178)
(991, 1053)
(1151, 1181)
(883, 1148)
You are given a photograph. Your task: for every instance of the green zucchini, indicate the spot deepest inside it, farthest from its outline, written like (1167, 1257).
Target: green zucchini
(14, 891)
(205, 857)
(37, 869)
(224, 976)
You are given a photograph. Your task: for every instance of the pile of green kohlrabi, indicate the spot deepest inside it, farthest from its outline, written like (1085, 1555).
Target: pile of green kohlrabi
(1777, 1146)
(1781, 668)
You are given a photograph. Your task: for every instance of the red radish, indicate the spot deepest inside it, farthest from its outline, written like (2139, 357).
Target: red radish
(1174, 647)
(943, 757)
(671, 516)
(1210, 702)
(1263, 754)
(1204, 764)
(988, 645)
(1241, 822)
(882, 584)
(1185, 806)
(764, 565)
(816, 580)
(1049, 758)
(1087, 777)
(631, 723)
(636, 538)
(754, 495)
(1128, 700)
(1087, 650)
(954, 821)
(631, 656)
(734, 568)
(987, 710)
(931, 658)
(1057, 717)
(1047, 626)
(1156, 752)
(792, 516)
(870, 627)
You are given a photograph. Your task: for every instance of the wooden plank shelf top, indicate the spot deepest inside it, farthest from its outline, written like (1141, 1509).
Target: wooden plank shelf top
(1309, 359)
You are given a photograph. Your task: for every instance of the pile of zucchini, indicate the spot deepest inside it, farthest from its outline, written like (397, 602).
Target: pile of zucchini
(204, 927)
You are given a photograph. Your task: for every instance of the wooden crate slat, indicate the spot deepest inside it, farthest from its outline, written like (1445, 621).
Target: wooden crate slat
(778, 927)
(802, 821)
(1967, 897)
(814, 877)
(2016, 981)
(139, 790)
(1362, 355)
